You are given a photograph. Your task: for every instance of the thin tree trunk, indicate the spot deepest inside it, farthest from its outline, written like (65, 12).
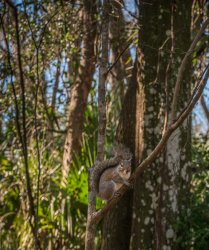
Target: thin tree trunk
(91, 228)
(80, 88)
(118, 41)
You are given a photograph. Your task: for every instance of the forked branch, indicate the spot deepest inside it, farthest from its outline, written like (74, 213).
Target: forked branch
(97, 216)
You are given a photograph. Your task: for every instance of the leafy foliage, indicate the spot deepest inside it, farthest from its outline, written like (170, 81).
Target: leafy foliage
(194, 224)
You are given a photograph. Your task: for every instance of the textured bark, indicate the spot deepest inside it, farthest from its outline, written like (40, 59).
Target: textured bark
(162, 192)
(80, 88)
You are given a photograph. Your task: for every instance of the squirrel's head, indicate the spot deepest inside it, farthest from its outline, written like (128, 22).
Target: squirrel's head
(124, 169)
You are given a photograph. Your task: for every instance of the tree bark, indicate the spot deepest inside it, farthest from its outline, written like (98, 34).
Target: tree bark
(80, 88)
(162, 192)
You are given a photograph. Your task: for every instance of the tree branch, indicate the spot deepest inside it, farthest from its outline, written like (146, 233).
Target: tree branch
(182, 68)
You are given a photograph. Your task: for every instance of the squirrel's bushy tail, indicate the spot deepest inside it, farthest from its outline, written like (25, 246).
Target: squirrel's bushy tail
(120, 153)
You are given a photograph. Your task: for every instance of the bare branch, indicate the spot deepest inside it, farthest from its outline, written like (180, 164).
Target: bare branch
(101, 89)
(183, 66)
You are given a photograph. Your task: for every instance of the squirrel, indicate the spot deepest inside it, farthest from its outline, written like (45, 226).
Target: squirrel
(109, 175)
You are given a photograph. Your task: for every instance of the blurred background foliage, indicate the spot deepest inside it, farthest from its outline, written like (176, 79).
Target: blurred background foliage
(51, 39)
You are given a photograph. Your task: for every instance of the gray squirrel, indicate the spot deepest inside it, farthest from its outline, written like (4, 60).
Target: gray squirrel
(109, 175)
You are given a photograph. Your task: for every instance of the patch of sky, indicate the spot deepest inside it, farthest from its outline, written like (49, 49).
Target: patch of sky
(199, 122)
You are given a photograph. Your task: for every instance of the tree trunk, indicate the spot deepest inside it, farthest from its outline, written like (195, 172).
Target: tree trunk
(117, 223)
(80, 88)
(162, 193)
